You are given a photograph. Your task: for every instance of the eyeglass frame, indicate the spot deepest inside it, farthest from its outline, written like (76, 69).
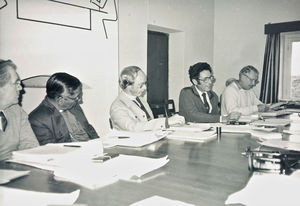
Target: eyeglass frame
(77, 98)
(206, 79)
(256, 81)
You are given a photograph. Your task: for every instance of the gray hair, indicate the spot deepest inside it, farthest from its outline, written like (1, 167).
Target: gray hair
(247, 69)
(128, 76)
(4, 72)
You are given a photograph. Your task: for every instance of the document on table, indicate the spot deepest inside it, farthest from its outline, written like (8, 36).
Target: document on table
(158, 200)
(265, 135)
(193, 136)
(268, 189)
(287, 145)
(272, 122)
(133, 139)
(51, 156)
(97, 175)
(191, 127)
(11, 197)
(6, 175)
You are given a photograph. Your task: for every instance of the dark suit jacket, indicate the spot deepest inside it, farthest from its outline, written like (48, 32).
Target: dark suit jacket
(49, 125)
(193, 109)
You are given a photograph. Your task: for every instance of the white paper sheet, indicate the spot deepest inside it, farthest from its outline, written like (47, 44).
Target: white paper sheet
(96, 175)
(14, 197)
(133, 139)
(158, 200)
(268, 189)
(287, 145)
(7, 175)
(193, 136)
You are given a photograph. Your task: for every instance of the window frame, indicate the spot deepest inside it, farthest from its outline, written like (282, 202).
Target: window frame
(286, 41)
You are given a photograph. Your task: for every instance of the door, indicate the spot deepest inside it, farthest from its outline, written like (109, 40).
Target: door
(157, 68)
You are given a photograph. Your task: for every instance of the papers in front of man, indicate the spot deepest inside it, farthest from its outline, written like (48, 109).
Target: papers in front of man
(12, 197)
(133, 139)
(97, 175)
(195, 132)
(281, 144)
(268, 189)
(158, 200)
(275, 113)
(272, 122)
(51, 156)
(6, 175)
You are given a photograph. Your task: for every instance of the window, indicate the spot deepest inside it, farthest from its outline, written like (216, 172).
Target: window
(290, 66)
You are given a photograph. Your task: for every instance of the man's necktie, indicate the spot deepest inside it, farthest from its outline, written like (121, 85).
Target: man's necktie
(205, 102)
(143, 108)
(3, 121)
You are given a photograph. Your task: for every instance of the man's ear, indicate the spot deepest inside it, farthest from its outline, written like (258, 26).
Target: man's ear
(194, 81)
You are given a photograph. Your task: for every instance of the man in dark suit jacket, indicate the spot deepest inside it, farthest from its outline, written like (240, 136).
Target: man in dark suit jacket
(199, 103)
(59, 118)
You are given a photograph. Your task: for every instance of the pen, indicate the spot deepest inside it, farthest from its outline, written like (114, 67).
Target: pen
(123, 137)
(69, 145)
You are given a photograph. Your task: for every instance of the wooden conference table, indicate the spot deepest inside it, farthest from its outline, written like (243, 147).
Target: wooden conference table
(197, 173)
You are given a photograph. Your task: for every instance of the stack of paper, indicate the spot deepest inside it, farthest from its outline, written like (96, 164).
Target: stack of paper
(158, 200)
(11, 196)
(272, 122)
(51, 156)
(96, 175)
(287, 145)
(268, 189)
(8, 175)
(193, 133)
(133, 139)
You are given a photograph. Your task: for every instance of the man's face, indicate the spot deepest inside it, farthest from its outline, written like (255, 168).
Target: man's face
(248, 80)
(206, 81)
(12, 88)
(138, 88)
(68, 101)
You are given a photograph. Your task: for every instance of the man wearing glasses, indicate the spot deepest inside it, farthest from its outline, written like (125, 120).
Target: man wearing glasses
(130, 111)
(59, 118)
(199, 103)
(239, 95)
(15, 130)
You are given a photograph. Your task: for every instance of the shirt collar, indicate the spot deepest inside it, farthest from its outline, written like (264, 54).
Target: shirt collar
(129, 96)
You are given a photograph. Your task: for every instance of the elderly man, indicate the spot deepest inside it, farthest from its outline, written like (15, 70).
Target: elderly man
(15, 130)
(59, 118)
(239, 95)
(130, 111)
(199, 103)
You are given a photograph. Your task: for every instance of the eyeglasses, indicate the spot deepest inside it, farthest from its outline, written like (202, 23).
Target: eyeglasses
(73, 98)
(256, 81)
(206, 79)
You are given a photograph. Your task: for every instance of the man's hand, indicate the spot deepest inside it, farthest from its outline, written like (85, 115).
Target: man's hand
(176, 119)
(263, 108)
(233, 116)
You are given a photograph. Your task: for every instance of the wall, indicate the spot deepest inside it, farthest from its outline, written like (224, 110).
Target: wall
(189, 23)
(239, 37)
(40, 48)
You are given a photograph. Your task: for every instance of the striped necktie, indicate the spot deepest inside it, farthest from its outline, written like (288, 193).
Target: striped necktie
(140, 104)
(3, 121)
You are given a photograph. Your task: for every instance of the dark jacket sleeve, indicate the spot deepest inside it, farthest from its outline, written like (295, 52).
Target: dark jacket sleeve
(191, 107)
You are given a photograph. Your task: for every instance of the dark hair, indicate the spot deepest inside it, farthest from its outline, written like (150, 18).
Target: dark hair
(4, 74)
(195, 70)
(60, 82)
(128, 76)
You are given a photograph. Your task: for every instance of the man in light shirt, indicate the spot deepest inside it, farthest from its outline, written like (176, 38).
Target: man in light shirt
(199, 103)
(239, 95)
(130, 111)
(15, 130)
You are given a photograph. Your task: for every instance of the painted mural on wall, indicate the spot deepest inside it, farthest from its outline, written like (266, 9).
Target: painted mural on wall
(76, 14)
